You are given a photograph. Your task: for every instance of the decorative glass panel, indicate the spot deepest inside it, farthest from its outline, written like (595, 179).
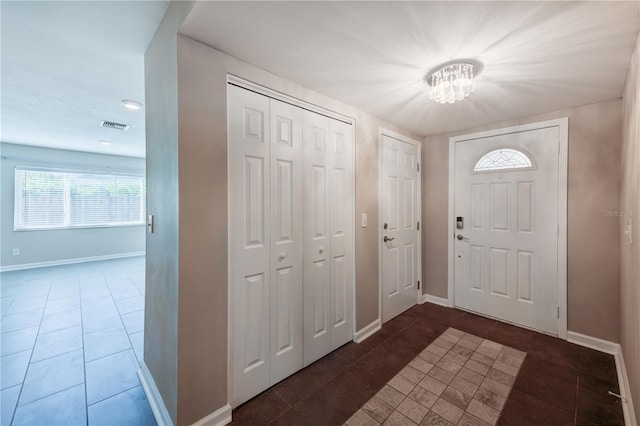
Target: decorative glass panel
(503, 158)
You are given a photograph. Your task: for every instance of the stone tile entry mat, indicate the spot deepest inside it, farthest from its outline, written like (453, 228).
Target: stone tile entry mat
(459, 379)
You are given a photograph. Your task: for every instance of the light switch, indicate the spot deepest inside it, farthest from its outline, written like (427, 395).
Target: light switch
(364, 220)
(150, 224)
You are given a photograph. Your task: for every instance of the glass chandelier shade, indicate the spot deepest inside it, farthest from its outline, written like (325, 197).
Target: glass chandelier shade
(453, 80)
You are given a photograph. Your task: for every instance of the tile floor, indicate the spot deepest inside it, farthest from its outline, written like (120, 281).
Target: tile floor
(559, 383)
(72, 335)
(459, 379)
(71, 338)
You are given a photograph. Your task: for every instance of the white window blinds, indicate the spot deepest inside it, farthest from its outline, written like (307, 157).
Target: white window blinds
(58, 199)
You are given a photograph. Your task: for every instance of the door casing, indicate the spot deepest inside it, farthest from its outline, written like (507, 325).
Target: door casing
(386, 132)
(563, 148)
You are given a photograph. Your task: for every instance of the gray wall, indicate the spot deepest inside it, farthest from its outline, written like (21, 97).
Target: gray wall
(186, 309)
(202, 84)
(61, 244)
(593, 238)
(630, 254)
(161, 298)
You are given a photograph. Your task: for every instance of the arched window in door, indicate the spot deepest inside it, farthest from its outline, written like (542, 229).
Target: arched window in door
(503, 158)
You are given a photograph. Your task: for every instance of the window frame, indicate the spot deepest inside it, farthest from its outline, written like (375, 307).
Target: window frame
(506, 169)
(67, 202)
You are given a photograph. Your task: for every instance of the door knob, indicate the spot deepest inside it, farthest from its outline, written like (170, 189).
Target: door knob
(387, 239)
(282, 256)
(321, 250)
(461, 238)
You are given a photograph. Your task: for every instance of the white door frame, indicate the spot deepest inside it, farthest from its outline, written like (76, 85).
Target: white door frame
(563, 135)
(270, 93)
(386, 132)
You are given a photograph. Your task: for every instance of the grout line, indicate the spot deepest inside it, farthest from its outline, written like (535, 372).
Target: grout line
(123, 324)
(111, 396)
(84, 358)
(108, 355)
(30, 357)
(575, 409)
(51, 394)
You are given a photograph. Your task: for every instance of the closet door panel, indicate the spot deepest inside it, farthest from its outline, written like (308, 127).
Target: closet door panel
(341, 159)
(286, 240)
(317, 237)
(249, 240)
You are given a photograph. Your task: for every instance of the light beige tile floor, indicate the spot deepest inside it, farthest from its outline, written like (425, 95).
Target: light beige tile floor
(460, 379)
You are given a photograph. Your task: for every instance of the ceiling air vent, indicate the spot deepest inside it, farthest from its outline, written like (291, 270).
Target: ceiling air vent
(112, 125)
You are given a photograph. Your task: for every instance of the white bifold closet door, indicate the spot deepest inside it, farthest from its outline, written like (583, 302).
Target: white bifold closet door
(265, 171)
(328, 233)
(290, 239)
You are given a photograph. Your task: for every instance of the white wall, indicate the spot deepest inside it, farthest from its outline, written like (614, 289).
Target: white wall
(61, 244)
(593, 251)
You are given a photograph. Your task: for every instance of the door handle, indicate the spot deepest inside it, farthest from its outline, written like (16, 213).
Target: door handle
(461, 238)
(387, 239)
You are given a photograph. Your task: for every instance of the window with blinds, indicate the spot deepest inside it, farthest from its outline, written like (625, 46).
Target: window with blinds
(46, 199)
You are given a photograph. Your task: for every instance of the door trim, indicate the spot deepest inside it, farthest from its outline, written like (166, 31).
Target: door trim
(273, 94)
(563, 135)
(394, 135)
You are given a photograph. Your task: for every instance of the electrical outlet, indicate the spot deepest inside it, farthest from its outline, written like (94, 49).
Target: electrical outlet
(364, 220)
(16, 252)
(629, 232)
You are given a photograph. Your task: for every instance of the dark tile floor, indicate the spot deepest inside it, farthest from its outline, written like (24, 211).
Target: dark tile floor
(71, 337)
(559, 383)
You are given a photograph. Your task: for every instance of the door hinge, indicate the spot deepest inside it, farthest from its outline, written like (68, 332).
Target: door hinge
(418, 225)
(418, 164)
(418, 284)
(558, 234)
(558, 312)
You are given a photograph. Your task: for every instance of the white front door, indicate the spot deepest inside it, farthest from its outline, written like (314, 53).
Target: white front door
(506, 229)
(400, 216)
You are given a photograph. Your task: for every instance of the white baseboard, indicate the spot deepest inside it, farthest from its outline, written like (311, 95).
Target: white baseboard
(367, 331)
(625, 391)
(593, 343)
(69, 261)
(623, 380)
(160, 411)
(220, 417)
(435, 300)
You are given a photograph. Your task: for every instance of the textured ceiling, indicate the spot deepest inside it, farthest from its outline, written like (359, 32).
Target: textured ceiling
(538, 56)
(66, 66)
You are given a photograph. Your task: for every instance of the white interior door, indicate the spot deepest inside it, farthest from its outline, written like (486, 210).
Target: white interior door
(342, 257)
(399, 222)
(286, 239)
(328, 235)
(317, 241)
(506, 247)
(249, 239)
(291, 257)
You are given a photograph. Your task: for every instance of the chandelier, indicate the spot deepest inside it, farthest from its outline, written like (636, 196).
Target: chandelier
(453, 80)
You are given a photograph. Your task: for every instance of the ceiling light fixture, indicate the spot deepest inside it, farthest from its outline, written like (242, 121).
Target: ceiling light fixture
(106, 143)
(131, 104)
(453, 81)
